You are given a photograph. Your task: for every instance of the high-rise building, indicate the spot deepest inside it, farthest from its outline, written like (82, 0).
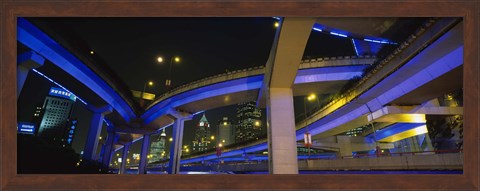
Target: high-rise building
(55, 123)
(157, 149)
(249, 123)
(225, 132)
(202, 135)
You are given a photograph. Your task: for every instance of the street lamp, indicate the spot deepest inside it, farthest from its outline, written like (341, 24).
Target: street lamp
(310, 97)
(175, 59)
(307, 136)
(150, 83)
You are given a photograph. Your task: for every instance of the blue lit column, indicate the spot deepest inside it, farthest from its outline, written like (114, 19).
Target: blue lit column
(108, 149)
(143, 154)
(124, 158)
(102, 152)
(176, 147)
(94, 131)
(25, 62)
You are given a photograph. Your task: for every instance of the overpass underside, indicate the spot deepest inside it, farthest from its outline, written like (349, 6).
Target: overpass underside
(396, 99)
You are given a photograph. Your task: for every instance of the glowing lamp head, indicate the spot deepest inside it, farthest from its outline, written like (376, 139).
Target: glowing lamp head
(212, 137)
(150, 83)
(225, 123)
(159, 59)
(177, 59)
(276, 24)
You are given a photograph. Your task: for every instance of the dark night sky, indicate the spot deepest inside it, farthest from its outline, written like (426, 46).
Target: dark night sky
(207, 46)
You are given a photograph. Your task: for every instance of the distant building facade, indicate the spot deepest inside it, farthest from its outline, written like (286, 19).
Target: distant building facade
(249, 123)
(225, 134)
(157, 149)
(56, 125)
(202, 139)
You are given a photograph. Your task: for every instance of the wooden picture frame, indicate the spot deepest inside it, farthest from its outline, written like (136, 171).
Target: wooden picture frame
(10, 10)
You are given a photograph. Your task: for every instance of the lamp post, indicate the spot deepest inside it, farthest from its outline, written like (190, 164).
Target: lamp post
(307, 136)
(168, 81)
(150, 83)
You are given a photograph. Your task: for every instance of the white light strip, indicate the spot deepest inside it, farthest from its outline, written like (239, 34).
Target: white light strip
(49, 79)
(355, 46)
(338, 34)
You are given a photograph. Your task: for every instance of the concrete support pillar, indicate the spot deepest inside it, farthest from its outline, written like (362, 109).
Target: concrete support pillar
(108, 149)
(124, 159)
(282, 144)
(143, 154)
(276, 92)
(345, 145)
(176, 147)
(100, 155)
(25, 62)
(94, 131)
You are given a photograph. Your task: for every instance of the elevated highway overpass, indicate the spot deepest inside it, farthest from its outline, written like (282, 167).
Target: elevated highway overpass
(388, 85)
(425, 58)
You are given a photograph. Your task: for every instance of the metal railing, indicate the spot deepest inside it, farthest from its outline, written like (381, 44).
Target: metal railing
(380, 154)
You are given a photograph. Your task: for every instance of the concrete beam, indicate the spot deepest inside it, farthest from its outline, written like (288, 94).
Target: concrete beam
(285, 56)
(411, 114)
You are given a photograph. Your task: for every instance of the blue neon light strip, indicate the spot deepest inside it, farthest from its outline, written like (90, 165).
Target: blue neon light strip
(355, 46)
(378, 41)
(49, 79)
(106, 122)
(198, 113)
(338, 34)
(321, 28)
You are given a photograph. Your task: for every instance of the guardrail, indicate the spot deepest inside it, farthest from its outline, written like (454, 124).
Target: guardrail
(260, 70)
(402, 153)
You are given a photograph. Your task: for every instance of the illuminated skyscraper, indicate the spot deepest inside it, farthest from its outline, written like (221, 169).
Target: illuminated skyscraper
(225, 132)
(157, 149)
(249, 123)
(202, 135)
(57, 109)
